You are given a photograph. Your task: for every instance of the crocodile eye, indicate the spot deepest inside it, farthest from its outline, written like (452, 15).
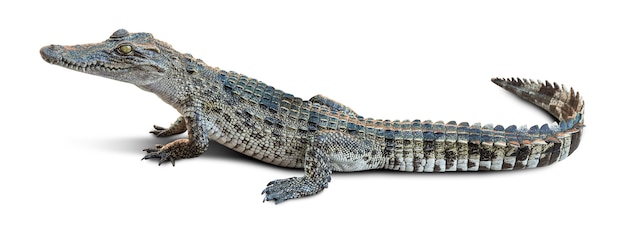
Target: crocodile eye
(125, 49)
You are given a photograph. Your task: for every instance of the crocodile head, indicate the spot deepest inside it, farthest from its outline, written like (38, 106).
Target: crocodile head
(135, 58)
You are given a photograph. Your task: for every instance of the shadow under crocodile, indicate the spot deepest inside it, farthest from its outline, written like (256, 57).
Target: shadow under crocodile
(219, 152)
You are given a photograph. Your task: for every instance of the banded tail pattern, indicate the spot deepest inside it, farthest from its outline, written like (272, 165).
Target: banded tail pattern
(439, 147)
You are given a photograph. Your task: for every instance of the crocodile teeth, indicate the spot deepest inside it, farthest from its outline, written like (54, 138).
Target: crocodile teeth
(84, 67)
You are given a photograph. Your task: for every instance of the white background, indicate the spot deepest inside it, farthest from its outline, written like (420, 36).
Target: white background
(71, 142)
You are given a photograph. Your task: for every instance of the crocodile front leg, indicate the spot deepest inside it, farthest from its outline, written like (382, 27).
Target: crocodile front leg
(197, 142)
(179, 126)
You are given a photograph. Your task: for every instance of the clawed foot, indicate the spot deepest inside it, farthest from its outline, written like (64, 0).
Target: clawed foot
(159, 131)
(290, 188)
(166, 132)
(179, 126)
(158, 152)
(177, 149)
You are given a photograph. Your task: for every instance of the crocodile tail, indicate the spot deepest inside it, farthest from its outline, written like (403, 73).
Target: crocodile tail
(564, 105)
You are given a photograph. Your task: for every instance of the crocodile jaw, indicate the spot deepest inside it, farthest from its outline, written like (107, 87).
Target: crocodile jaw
(52, 55)
(95, 60)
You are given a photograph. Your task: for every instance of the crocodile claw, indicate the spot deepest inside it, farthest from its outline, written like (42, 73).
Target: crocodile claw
(160, 153)
(290, 188)
(158, 131)
(279, 190)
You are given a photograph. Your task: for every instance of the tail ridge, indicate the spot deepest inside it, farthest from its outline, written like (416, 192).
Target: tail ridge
(567, 106)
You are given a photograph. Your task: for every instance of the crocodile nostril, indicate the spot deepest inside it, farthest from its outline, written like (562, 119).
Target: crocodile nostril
(50, 53)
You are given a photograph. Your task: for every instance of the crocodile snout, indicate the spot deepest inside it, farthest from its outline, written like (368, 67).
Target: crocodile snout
(51, 53)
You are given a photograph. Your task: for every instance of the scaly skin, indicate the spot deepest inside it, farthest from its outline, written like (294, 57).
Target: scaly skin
(319, 135)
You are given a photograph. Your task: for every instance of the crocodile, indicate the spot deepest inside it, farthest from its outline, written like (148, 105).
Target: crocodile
(319, 135)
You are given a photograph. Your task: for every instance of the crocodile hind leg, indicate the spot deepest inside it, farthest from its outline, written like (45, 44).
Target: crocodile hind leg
(317, 172)
(329, 150)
